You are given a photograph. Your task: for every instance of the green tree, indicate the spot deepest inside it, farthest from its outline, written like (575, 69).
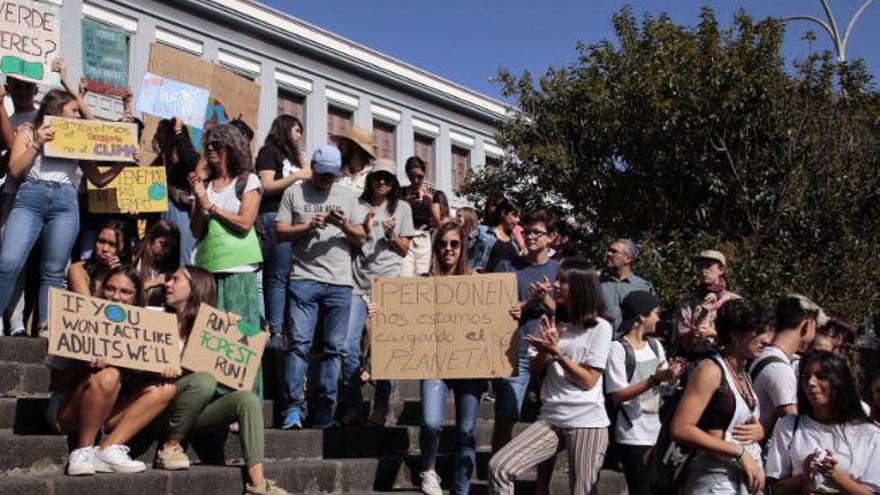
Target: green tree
(687, 138)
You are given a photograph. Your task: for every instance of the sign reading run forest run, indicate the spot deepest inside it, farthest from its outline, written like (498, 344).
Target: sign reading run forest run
(444, 327)
(87, 328)
(231, 351)
(30, 36)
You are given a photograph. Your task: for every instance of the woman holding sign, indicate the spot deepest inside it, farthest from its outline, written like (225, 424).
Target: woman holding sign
(571, 360)
(449, 257)
(46, 205)
(199, 407)
(223, 218)
(89, 397)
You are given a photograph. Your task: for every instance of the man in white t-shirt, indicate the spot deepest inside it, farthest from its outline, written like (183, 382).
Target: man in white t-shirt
(773, 374)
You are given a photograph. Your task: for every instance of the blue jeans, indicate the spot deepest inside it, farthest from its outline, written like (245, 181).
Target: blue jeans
(41, 207)
(307, 297)
(352, 399)
(510, 392)
(180, 217)
(276, 273)
(467, 405)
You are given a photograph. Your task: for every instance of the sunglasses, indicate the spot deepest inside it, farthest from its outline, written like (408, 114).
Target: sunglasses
(450, 244)
(384, 177)
(214, 145)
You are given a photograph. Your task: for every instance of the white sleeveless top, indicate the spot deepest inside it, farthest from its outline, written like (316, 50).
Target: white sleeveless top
(742, 413)
(62, 170)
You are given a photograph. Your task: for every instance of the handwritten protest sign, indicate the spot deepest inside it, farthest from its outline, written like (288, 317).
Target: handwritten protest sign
(105, 57)
(444, 327)
(140, 189)
(92, 140)
(231, 353)
(168, 98)
(30, 35)
(86, 328)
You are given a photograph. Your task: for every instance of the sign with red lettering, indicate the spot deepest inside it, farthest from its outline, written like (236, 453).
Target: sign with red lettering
(444, 327)
(87, 328)
(93, 140)
(30, 37)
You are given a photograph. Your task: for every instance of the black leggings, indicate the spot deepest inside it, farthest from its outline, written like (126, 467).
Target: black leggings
(634, 468)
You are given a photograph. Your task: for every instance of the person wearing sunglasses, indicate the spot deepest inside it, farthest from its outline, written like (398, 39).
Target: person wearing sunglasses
(420, 199)
(389, 228)
(449, 257)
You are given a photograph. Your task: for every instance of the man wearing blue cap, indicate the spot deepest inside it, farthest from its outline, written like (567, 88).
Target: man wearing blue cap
(316, 215)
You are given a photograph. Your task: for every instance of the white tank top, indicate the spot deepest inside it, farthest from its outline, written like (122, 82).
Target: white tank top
(742, 413)
(62, 170)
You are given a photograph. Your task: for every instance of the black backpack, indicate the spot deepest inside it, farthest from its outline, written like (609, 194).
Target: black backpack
(612, 456)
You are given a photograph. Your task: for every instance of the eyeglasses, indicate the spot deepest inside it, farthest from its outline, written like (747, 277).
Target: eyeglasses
(416, 177)
(534, 233)
(615, 251)
(450, 244)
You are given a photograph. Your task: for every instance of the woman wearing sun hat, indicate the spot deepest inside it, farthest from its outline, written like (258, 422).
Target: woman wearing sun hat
(356, 145)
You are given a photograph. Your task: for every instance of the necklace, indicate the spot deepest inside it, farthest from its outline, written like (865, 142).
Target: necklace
(742, 384)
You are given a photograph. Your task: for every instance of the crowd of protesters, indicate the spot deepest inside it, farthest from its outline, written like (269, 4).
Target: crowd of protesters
(732, 399)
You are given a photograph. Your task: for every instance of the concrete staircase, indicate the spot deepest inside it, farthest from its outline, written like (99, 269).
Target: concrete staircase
(350, 460)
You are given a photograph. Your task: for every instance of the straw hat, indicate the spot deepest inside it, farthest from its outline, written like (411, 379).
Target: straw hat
(361, 137)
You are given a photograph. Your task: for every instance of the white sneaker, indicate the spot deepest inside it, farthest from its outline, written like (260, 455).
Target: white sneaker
(431, 483)
(115, 459)
(81, 462)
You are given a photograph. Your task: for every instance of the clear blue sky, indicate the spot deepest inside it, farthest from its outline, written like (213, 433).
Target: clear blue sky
(468, 41)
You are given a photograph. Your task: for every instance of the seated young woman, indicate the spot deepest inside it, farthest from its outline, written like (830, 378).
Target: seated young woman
(112, 249)
(157, 258)
(201, 405)
(92, 397)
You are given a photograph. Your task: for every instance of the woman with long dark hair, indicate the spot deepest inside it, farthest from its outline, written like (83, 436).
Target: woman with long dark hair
(279, 165)
(224, 220)
(201, 406)
(500, 243)
(91, 397)
(420, 199)
(46, 205)
(388, 224)
(718, 412)
(571, 360)
(831, 446)
(112, 249)
(157, 257)
(449, 257)
(177, 154)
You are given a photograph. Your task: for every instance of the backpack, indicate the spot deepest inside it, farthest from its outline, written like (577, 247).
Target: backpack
(612, 456)
(759, 365)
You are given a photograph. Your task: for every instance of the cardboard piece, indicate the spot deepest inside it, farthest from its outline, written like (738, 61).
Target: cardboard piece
(86, 328)
(231, 94)
(105, 57)
(140, 189)
(231, 353)
(444, 327)
(167, 98)
(93, 140)
(223, 248)
(30, 38)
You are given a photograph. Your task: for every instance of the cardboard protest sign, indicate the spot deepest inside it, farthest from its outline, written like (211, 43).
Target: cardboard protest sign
(231, 353)
(223, 248)
(444, 327)
(104, 57)
(30, 36)
(167, 98)
(231, 94)
(131, 337)
(140, 189)
(93, 140)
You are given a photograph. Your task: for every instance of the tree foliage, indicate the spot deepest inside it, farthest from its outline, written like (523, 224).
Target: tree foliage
(686, 138)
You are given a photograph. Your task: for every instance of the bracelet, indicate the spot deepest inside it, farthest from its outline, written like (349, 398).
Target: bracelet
(212, 209)
(739, 456)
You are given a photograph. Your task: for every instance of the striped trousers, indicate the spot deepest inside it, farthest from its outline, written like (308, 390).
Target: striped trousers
(541, 441)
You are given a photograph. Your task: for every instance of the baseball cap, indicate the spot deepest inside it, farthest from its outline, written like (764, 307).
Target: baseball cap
(327, 160)
(384, 165)
(711, 254)
(635, 304)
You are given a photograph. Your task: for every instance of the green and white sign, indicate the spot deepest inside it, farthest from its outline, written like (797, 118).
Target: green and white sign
(30, 38)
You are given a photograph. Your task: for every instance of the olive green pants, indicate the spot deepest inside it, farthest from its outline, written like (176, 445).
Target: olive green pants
(198, 409)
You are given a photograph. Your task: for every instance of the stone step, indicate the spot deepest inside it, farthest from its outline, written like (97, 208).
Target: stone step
(23, 380)
(297, 476)
(23, 349)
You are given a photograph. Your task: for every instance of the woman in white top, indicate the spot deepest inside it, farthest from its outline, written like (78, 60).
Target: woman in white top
(573, 416)
(46, 203)
(717, 414)
(832, 446)
(636, 368)
(223, 220)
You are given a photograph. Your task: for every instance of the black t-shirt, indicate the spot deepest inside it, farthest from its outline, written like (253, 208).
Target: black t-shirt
(501, 251)
(271, 158)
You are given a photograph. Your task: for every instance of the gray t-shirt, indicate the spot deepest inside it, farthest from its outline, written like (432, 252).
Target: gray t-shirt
(376, 257)
(324, 254)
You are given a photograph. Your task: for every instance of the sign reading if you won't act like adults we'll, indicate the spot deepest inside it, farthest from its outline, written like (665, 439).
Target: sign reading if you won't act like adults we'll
(86, 328)
(444, 327)
(231, 351)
